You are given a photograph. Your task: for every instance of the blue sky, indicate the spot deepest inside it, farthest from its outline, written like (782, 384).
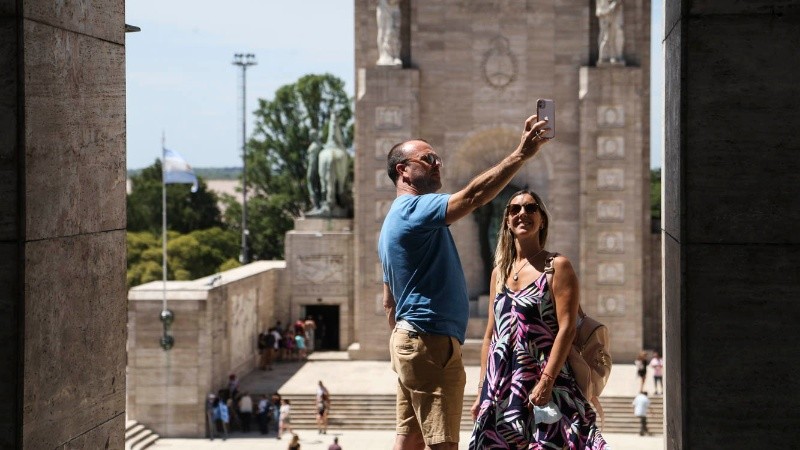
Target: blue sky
(180, 80)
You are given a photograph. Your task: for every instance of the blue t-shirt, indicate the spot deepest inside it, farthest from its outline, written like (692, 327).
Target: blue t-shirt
(422, 267)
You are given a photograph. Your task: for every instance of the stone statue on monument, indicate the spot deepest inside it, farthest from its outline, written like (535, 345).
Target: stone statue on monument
(389, 19)
(312, 170)
(332, 172)
(611, 41)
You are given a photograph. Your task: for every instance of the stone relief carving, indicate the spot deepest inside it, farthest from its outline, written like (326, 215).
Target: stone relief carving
(388, 117)
(611, 273)
(610, 211)
(499, 64)
(389, 18)
(611, 304)
(612, 179)
(319, 269)
(611, 116)
(611, 40)
(610, 147)
(610, 242)
(492, 6)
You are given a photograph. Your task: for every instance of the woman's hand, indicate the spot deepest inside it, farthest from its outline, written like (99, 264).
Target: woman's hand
(542, 393)
(475, 409)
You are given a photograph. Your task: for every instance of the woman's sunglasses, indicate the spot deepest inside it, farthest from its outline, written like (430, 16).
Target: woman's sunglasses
(529, 208)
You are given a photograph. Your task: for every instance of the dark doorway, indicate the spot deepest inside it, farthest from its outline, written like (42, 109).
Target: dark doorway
(327, 319)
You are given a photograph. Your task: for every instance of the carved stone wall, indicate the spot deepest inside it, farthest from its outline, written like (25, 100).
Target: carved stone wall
(215, 330)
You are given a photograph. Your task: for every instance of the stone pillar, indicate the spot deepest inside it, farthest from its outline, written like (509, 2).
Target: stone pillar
(730, 214)
(614, 203)
(62, 226)
(319, 263)
(386, 113)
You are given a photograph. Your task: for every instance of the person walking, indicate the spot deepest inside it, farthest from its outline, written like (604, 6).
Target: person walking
(263, 412)
(221, 417)
(246, 411)
(212, 425)
(294, 444)
(310, 327)
(527, 395)
(323, 405)
(285, 421)
(640, 404)
(641, 368)
(658, 373)
(425, 294)
(335, 445)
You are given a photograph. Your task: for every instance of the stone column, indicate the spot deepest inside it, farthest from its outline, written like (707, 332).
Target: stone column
(614, 203)
(62, 224)
(386, 113)
(730, 215)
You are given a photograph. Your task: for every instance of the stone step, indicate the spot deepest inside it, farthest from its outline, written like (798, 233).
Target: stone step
(138, 437)
(373, 412)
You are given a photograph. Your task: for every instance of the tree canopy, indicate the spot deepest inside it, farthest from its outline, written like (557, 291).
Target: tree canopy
(189, 256)
(277, 157)
(186, 211)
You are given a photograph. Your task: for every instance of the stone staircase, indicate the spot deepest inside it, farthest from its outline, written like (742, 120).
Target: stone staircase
(377, 412)
(137, 436)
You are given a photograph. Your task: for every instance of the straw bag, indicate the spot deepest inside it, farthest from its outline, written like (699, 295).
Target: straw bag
(589, 355)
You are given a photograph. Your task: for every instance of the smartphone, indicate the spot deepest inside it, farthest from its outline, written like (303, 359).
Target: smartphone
(546, 110)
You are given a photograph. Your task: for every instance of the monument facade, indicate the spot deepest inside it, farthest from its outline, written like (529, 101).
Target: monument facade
(472, 72)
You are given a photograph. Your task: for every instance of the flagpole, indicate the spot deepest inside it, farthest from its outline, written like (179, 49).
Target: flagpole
(163, 225)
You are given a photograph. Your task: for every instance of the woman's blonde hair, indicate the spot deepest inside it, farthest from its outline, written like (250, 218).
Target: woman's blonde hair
(506, 252)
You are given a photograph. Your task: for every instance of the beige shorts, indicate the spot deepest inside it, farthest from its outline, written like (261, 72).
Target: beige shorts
(430, 388)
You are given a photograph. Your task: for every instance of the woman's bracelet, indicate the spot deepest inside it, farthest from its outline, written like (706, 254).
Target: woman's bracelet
(548, 376)
(480, 384)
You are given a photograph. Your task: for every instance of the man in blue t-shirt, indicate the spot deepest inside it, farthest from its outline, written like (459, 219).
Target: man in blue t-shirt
(424, 291)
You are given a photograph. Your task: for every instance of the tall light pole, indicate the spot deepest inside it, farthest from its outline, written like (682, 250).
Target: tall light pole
(244, 60)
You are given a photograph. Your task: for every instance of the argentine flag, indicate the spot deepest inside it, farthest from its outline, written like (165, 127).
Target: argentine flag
(177, 170)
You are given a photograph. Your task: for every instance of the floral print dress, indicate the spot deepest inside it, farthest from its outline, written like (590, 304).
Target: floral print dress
(525, 329)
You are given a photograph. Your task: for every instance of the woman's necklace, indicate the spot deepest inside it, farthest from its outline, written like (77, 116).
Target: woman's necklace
(516, 274)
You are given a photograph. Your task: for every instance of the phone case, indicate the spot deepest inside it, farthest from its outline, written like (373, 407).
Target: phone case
(546, 110)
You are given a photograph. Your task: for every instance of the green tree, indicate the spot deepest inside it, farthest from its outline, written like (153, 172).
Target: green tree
(277, 163)
(186, 211)
(189, 256)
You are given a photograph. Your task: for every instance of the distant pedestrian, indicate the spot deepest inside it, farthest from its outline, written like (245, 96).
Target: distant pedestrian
(221, 417)
(265, 350)
(310, 327)
(641, 368)
(246, 411)
(295, 443)
(658, 373)
(300, 343)
(212, 426)
(285, 422)
(335, 445)
(263, 414)
(233, 386)
(640, 404)
(275, 407)
(323, 405)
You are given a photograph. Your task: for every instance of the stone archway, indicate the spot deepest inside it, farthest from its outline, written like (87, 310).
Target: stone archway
(483, 149)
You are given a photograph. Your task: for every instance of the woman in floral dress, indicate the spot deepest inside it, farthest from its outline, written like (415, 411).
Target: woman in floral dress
(528, 398)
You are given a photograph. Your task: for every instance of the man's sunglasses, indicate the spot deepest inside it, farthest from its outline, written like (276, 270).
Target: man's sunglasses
(529, 208)
(431, 159)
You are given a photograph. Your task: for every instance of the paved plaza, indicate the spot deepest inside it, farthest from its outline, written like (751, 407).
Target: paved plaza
(371, 377)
